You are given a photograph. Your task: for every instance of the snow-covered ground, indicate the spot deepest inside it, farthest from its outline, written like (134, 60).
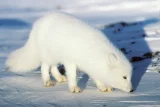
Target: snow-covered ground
(132, 25)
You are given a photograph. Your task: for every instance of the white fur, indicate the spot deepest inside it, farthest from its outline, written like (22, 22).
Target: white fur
(61, 38)
(45, 75)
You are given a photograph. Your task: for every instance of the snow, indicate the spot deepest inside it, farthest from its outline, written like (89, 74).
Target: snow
(140, 35)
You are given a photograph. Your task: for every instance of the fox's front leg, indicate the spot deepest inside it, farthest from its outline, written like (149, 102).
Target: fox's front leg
(71, 75)
(45, 75)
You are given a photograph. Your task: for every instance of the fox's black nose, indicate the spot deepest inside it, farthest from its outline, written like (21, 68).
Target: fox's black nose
(132, 90)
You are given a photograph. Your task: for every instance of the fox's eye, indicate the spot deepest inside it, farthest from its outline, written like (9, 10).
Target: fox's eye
(124, 77)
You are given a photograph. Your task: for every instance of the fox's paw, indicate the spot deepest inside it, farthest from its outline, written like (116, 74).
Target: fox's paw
(105, 89)
(109, 89)
(75, 89)
(49, 83)
(61, 79)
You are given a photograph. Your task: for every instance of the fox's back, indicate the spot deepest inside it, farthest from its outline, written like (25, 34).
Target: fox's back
(65, 37)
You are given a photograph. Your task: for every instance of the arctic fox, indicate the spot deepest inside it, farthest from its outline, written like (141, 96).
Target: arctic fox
(60, 38)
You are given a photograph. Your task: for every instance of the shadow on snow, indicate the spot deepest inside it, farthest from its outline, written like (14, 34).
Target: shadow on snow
(131, 38)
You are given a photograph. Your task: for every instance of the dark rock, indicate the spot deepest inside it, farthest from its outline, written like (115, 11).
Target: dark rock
(144, 35)
(133, 42)
(157, 53)
(118, 30)
(123, 50)
(148, 55)
(124, 24)
(152, 54)
(136, 59)
(153, 65)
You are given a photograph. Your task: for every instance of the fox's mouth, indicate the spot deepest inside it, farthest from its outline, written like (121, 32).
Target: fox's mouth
(128, 90)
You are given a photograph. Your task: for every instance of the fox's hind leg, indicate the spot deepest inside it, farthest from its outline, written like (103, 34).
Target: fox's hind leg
(57, 75)
(102, 87)
(45, 75)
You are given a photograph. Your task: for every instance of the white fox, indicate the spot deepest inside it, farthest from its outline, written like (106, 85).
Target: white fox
(62, 38)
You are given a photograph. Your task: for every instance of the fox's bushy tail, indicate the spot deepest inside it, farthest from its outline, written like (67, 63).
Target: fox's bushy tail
(24, 59)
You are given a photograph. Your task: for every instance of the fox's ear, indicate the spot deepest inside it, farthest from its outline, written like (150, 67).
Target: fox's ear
(112, 59)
